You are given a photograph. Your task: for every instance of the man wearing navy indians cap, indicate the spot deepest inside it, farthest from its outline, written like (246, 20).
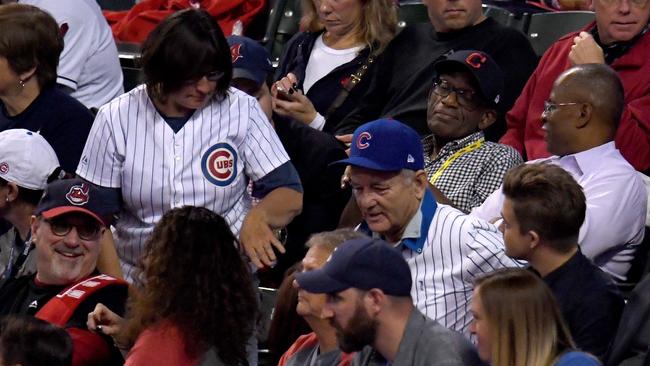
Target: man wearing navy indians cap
(66, 230)
(444, 248)
(368, 286)
(251, 66)
(310, 151)
(463, 167)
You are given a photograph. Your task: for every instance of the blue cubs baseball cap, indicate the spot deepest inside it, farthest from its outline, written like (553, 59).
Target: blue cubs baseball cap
(364, 263)
(386, 145)
(487, 73)
(249, 59)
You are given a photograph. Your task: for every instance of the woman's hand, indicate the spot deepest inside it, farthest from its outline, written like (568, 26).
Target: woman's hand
(103, 320)
(291, 102)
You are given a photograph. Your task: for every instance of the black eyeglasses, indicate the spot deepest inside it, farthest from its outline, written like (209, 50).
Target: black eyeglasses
(213, 76)
(86, 230)
(549, 106)
(466, 98)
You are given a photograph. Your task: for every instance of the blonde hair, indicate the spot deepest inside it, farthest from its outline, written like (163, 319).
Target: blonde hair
(378, 23)
(524, 321)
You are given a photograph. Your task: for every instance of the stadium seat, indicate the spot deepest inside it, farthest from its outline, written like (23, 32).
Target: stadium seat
(128, 53)
(267, 305)
(501, 15)
(283, 24)
(116, 5)
(506, 17)
(546, 28)
(410, 12)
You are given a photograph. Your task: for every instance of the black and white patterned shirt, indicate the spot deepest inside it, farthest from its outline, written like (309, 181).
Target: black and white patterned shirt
(470, 177)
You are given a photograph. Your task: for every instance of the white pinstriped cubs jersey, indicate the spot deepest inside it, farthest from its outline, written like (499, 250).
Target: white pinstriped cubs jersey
(207, 163)
(458, 249)
(446, 251)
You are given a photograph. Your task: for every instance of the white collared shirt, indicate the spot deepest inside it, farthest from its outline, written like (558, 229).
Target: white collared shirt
(616, 206)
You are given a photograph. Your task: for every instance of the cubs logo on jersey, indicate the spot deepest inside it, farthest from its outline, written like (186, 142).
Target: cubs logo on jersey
(219, 164)
(78, 194)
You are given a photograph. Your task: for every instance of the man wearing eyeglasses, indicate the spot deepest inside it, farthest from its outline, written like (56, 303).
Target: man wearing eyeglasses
(619, 38)
(463, 168)
(66, 230)
(580, 119)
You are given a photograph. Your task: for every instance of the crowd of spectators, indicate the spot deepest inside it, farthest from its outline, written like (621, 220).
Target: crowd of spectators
(432, 195)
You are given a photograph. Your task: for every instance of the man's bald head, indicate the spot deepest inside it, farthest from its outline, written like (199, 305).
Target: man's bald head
(583, 109)
(598, 85)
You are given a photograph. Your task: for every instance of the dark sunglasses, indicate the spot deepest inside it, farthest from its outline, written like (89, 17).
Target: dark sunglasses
(86, 230)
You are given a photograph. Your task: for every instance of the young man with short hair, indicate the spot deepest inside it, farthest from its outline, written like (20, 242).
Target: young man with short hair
(543, 210)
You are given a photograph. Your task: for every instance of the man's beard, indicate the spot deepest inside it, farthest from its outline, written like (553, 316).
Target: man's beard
(360, 332)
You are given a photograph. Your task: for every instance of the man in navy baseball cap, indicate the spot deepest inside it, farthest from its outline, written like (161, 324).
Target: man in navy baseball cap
(251, 65)
(368, 286)
(443, 248)
(460, 164)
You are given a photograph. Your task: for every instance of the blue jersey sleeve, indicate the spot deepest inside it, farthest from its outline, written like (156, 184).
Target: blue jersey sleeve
(283, 176)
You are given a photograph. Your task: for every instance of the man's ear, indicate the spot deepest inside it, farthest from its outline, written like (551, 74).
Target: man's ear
(374, 300)
(421, 183)
(586, 111)
(533, 238)
(35, 225)
(488, 118)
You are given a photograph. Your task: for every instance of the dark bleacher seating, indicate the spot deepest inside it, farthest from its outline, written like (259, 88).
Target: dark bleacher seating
(116, 4)
(546, 28)
(410, 12)
(283, 24)
(128, 53)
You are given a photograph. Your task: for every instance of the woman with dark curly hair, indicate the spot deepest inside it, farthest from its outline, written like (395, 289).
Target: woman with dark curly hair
(197, 303)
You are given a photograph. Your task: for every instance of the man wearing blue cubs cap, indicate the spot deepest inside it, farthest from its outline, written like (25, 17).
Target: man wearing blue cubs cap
(368, 284)
(444, 248)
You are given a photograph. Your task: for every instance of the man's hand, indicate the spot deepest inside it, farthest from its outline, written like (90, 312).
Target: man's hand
(103, 320)
(347, 140)
(585, 50)
(258, 239)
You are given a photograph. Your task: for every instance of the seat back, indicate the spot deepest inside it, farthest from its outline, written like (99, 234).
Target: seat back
(116, 5)
(128, 54)
(546, 28)
(284, 19)
(411, 12)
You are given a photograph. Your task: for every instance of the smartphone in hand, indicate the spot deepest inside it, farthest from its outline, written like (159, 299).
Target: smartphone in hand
(286, 95)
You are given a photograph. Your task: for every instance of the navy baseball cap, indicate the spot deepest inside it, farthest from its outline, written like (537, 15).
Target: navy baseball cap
(249, 59)
(386, 145)
(364, 263)
(76, 195)
(486, 72)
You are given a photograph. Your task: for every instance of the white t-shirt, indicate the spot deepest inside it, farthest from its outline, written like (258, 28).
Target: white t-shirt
(324, 59)
(89, 63)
